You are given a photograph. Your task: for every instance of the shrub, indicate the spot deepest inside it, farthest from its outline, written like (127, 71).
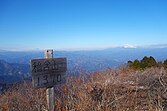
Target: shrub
(120, 89)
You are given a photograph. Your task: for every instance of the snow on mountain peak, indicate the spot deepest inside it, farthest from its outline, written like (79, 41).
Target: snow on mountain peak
(129, 46)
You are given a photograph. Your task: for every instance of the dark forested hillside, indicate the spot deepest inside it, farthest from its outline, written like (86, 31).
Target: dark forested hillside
(11, 72)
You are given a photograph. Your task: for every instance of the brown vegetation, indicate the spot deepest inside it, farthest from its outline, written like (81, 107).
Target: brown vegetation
(121, 89)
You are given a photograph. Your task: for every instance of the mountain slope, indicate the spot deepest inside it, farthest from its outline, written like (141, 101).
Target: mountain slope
(11, 72)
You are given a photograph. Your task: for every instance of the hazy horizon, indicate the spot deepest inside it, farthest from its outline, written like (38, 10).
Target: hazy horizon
(128, 46)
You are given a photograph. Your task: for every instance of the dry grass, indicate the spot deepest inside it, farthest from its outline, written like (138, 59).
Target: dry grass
(120, 89)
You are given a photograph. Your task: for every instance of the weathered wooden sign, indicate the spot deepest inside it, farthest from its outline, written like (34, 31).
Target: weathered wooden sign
(48, 72)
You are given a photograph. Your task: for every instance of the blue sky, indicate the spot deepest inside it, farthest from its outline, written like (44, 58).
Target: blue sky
(81, 24)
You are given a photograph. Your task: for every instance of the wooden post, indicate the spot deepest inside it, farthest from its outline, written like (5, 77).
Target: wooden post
(50, 91)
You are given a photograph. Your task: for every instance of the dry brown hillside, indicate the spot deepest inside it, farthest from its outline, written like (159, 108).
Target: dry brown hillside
(121, 89)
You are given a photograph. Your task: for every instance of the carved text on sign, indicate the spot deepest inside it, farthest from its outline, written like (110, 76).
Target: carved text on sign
(48, 72)
(47, 65)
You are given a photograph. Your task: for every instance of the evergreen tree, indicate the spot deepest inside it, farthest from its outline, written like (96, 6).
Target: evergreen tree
(165, 63)
(152, 62)
(144, 62)
(136, 64)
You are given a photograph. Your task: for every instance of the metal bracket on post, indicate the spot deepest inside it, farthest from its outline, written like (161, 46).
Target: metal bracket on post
(50, 91)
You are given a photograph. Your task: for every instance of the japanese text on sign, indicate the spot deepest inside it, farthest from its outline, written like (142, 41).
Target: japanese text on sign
(48, 72)
(40, 66)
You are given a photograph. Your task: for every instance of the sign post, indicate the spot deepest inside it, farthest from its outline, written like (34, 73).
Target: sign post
(48, 72)
(50, 96)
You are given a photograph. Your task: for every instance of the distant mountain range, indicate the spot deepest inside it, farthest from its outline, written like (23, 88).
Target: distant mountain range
(12, 72)
(16, 63)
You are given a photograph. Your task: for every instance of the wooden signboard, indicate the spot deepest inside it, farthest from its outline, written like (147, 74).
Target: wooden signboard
(48, 72)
